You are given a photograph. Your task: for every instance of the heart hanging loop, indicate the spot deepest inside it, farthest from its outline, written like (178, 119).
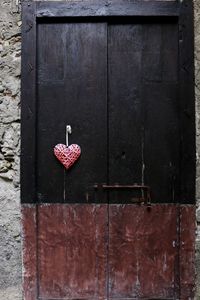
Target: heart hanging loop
(68, 131)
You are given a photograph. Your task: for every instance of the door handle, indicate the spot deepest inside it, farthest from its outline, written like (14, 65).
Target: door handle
(145, 189)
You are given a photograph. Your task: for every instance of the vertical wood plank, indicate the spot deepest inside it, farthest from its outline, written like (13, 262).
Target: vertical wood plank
(124, 103)
(72, 89)
(187, 101)
(72, 245)
(86, 106)
(143, 251)
(51, 110)
(28, 104)
(29, 251)
(187, 251)
(161, 111)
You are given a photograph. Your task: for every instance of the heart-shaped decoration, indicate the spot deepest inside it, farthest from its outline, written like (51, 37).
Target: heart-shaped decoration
(67, 155)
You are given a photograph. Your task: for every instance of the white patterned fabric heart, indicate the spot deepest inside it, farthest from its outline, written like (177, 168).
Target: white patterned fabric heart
(67, 155)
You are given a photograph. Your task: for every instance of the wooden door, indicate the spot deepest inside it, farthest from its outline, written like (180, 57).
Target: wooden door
(121, 74)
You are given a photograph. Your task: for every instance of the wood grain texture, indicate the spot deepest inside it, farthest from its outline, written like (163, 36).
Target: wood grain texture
(86, 110)
(187, 102)
(144, 114)
(143, 251)
(124, 107)
(50, 106)
(150, 134)
(72, 89)
(161, 139)
(187, 252)
(143, 254)
(105, 8)
(28, 103)
(72, 245)
(29, 251)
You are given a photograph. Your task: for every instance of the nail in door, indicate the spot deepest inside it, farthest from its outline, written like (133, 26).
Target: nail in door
(117, 81)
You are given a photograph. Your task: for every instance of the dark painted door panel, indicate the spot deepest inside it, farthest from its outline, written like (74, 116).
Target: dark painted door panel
(125, 107)
(144, 121)
(72, 89)
(122, 75)
(117, 86)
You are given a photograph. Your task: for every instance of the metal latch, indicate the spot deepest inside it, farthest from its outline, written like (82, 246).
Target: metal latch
(145, 191)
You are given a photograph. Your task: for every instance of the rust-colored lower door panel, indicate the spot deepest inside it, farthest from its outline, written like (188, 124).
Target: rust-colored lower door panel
(120, 252)
(143, 252)
(72, 251)
(71, 246)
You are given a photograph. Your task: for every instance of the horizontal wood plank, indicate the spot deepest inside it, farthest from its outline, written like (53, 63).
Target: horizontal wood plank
(89, 8)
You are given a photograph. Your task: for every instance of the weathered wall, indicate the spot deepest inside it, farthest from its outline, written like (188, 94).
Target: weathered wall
(10, 247)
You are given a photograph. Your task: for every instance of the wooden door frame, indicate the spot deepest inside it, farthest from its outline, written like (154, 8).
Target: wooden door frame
(32, 12)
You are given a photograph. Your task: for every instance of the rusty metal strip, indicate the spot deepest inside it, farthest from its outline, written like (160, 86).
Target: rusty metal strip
(145, 191)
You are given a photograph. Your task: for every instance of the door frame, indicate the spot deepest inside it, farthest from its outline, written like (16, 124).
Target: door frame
(32, 12)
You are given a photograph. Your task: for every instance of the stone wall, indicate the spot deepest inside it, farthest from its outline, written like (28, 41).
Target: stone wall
(10, 51)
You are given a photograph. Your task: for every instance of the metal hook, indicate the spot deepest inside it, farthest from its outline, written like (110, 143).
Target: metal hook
(68, 131)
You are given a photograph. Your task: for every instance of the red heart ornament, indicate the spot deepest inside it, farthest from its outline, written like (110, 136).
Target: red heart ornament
(67, 155)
